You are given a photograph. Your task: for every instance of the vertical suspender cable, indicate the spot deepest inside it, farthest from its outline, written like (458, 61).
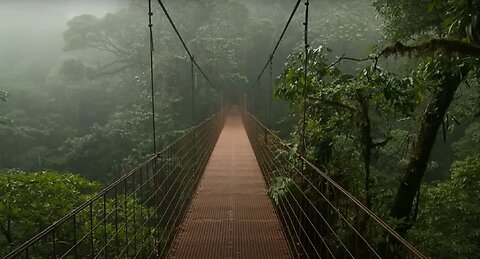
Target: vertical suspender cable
(223, 98)
(304, 107)
(154, 129)
(270, 94)
(192, 60)
(150, 25)
(244, 99)
(304, 94)
(260, 87)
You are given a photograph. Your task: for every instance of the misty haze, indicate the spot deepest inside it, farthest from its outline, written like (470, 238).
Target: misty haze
(239, 129)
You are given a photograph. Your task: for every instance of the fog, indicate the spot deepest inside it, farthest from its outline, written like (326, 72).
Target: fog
(68, 87)
(31, 31)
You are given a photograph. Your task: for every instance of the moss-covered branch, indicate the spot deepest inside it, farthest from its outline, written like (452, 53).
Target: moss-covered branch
(434, 46)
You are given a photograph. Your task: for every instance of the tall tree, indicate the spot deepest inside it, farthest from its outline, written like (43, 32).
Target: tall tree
(435, 28)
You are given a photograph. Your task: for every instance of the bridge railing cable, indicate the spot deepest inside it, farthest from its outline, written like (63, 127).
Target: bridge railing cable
(138, 215)
(152, 77)
(320, 218)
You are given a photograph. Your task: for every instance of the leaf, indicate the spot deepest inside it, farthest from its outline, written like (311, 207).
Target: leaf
(279, 187)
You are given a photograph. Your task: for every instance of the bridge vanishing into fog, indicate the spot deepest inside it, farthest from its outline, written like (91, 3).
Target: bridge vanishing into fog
(230, 215)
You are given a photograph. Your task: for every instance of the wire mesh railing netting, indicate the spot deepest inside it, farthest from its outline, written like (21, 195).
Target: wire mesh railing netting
(138, 215)
(320, 219)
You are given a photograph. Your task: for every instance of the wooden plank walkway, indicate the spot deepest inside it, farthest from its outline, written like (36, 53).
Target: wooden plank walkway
(231, 215)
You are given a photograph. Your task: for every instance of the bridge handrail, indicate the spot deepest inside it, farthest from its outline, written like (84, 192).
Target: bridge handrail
(75, 211)
(101, 194)
(275, 138)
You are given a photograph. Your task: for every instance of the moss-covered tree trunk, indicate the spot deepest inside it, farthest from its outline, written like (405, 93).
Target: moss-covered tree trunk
(420, 155)
(366, 146)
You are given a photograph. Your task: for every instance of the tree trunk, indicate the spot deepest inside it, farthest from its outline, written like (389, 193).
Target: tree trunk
(366, 146)
(417, 165)
(7, 232)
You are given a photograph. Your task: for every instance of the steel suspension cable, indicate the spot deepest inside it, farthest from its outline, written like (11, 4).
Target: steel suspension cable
(304, 100)
(304, 92)
(281, 38)
(183, 42)
(150, 25)
(192, 60)
(259, 87)
(270, 93)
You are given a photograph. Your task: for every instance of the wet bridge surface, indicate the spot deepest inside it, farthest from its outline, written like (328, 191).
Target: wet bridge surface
(231, 215)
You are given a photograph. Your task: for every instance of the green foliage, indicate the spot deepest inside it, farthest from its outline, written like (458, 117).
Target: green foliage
(111, 149)
(120, 35)
(91, 113)
(279, 188)
(340, 105)
(419, 19)
(31, 202)
(74, 70)
(410, 18)
(469, 144)
(447, 223)
(107, 34)
(437, 32)
(80, 28)
(366, 115)
(350, 26)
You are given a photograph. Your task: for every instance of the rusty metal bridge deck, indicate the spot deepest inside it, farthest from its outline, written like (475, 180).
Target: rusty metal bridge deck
(231, 215)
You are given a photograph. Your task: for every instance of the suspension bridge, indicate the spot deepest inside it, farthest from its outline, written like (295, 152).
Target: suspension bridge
(205, 196)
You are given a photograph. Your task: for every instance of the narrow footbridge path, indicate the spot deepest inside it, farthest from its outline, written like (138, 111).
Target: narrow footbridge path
(230, 215)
